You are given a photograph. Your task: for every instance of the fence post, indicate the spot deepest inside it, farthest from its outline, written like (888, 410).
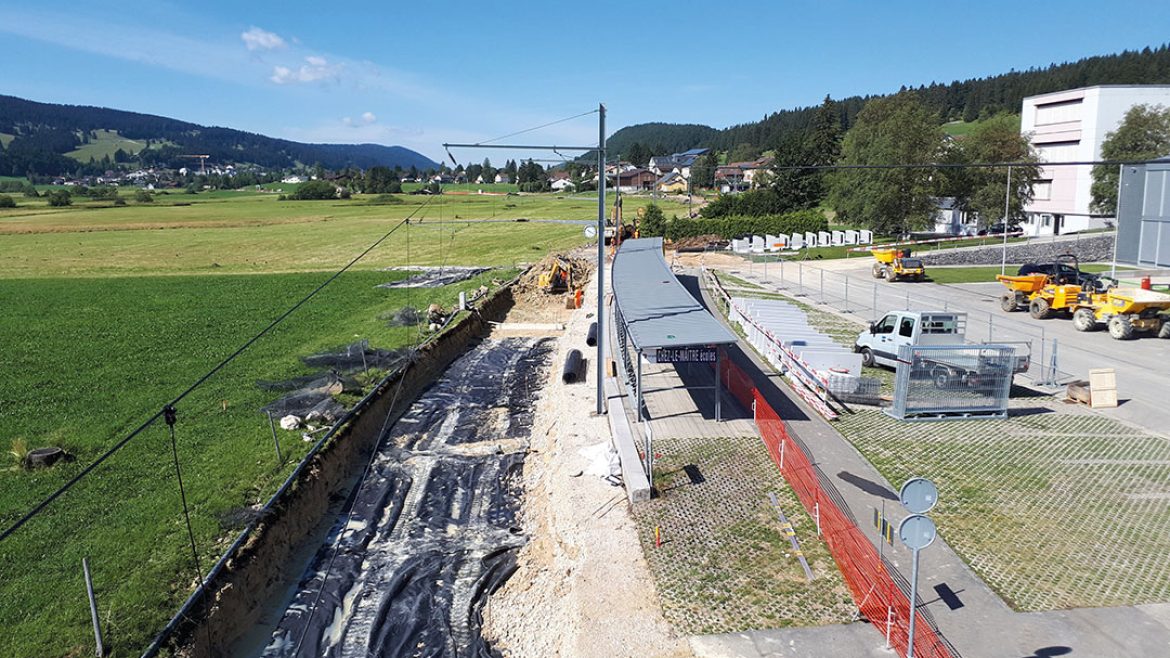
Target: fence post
(875, 308)
(800, 277)
(782, 273)
(1042, 364)
(889, 623)
(822, 286)
(817, 511)
(275, 441)
(846, 293)
(907, 299)
(783, 445)
(990, 322)
(93, 613)
(1053, 369)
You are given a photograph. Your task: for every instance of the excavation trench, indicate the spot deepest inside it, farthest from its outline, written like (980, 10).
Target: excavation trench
(432, 528)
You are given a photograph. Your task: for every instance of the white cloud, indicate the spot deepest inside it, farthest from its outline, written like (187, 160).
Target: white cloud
(258, 39)
(313, 70)
(366, 119)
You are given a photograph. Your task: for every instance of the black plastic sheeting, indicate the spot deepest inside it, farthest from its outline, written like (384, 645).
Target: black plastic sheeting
(436, 277)
(433, 528)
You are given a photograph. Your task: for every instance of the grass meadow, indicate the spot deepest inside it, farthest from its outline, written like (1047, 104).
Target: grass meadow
(109, 312)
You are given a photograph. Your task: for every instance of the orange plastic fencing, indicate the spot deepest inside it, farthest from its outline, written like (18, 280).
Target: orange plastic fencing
(880, 599)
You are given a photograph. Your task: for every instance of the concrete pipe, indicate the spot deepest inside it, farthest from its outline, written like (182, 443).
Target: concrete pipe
(591, 338)
(573, 371)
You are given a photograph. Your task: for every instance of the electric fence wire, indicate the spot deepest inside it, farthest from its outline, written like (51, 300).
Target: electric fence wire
(69, 484)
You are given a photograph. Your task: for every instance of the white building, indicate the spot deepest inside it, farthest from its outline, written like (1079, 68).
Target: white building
(1070, 126)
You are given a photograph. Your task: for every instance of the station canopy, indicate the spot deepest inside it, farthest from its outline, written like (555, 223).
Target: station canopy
(657, 310)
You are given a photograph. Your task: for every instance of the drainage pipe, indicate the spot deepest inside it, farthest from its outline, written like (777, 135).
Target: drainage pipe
(572, 372)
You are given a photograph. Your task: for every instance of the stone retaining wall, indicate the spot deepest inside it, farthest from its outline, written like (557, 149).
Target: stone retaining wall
(1091, 248)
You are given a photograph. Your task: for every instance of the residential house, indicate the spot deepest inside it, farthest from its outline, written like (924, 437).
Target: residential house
(635, 180)
(949, 219)
(680, 162)
(1070, 126)
(503, 177)
(672, 183)
(562, 185)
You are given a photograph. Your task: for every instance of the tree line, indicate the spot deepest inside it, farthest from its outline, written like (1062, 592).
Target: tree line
(967, 100)
(44, 132)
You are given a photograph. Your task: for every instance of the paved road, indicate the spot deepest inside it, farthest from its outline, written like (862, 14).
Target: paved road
(1142, 365)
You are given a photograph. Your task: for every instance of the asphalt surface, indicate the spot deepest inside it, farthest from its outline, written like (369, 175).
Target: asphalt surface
(1142, 365)
(967, 612)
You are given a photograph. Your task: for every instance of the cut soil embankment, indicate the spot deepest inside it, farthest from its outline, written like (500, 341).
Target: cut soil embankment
(432, 529)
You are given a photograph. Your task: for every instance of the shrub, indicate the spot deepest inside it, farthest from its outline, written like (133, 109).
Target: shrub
(652, 223)
(143, 196)
(7, 201)
(60, 198)
(736, 226)
(753, 203)
(314, 190)
(385, 200)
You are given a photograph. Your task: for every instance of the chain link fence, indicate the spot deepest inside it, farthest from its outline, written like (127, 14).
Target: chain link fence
(936, 382)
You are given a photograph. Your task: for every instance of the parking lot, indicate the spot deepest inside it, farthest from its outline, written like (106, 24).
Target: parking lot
(1141, 365)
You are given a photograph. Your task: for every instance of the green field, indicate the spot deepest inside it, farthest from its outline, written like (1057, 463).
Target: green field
(109, 312)
(251, 232)
(985, 273)
(104, 143)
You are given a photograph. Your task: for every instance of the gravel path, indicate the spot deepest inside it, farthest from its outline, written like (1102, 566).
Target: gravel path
(582, 587)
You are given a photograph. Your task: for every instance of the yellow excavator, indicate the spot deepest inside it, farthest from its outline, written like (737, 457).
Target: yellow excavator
(558, 278)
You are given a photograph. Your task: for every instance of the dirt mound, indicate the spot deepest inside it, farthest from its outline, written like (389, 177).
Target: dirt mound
(700, 243)
(579, 272)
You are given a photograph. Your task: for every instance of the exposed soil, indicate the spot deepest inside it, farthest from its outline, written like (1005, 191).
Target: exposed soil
(582, 586)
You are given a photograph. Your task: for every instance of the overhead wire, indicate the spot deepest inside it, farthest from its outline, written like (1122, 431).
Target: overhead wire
(69, 484)
(535, 128)
(352, 504)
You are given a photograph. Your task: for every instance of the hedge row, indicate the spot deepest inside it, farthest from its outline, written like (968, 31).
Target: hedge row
(800, 221)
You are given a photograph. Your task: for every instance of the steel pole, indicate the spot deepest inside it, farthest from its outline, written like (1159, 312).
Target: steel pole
(1117, 219)
(1007, 198)
(913, 604)
(601, 259)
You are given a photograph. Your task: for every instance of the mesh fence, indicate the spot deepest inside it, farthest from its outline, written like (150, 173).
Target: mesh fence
(880, 592)
(935, 381)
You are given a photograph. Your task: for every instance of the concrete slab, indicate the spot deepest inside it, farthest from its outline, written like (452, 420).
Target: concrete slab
(854, 640)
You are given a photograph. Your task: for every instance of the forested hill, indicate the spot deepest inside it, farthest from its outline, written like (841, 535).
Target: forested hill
(959, 100)
(661, 138)
(42, 133)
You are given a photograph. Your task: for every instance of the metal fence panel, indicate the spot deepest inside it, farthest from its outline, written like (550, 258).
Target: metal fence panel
(936, 382)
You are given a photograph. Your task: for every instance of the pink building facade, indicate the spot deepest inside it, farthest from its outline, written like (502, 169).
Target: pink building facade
(1070, 126)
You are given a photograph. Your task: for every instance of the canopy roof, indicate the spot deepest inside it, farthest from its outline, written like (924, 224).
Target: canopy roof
(657, 309)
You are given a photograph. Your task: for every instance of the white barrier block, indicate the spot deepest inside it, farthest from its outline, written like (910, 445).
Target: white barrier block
(810, 239)
(851, 236)
(824, 238)
(796, 241)
(838, 238)
(865, 236)
(826, 361)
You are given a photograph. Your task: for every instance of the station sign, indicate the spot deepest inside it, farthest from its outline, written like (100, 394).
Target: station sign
(685, 355)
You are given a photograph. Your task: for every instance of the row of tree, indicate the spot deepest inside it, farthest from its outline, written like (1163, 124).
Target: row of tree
(889, 169)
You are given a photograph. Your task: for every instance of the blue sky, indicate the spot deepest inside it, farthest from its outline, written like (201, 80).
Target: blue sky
(423, 73)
